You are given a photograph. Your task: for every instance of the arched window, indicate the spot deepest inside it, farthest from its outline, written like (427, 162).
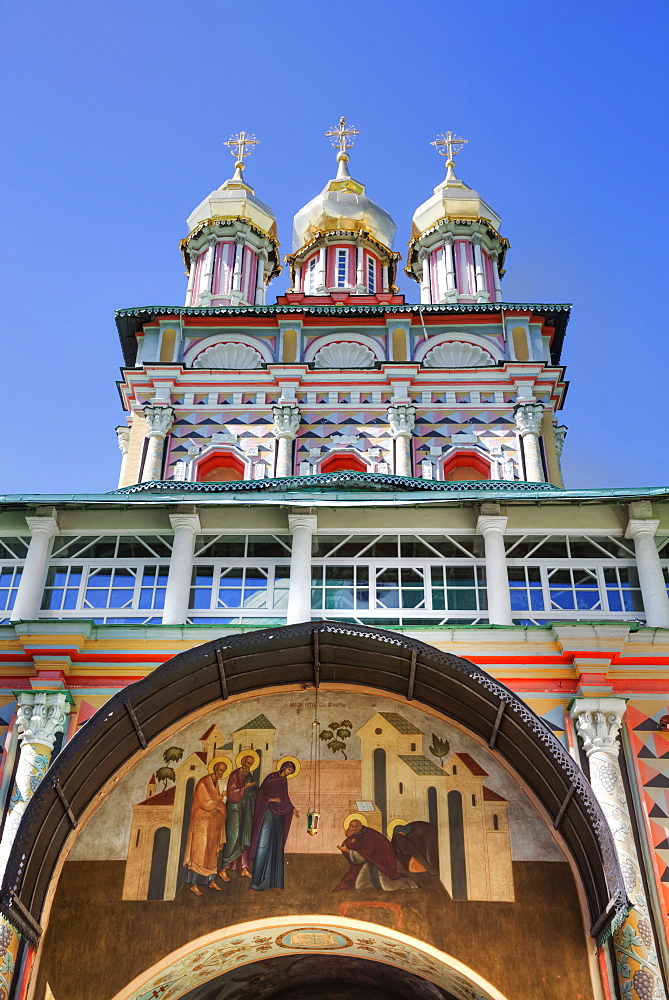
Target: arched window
(343, 461)
(220, 467)
(466, 466)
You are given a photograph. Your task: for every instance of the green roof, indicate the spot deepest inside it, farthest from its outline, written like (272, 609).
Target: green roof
(260, 722)
(420, 764)
(401, 724)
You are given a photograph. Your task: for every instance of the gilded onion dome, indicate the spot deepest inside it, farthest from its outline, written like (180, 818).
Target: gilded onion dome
(341, 238)
(231, 252)
(456, 251)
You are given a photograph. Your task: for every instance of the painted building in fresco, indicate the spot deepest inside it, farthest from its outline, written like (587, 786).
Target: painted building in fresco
(341, 691)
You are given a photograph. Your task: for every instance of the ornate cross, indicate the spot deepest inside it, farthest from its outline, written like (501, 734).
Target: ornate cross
(449, 144)
(340, 134)
(238, 145)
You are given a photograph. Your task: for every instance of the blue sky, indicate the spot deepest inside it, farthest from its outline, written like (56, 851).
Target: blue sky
(114, 116)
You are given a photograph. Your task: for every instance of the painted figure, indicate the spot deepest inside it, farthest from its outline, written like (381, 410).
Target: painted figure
(372, 860)
(241, 800)
(271, 824)
(416, 847)
(206, 831)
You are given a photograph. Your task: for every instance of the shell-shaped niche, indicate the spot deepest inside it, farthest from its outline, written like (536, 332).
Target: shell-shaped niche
(344, 355)
(231, 356)
(456, 354)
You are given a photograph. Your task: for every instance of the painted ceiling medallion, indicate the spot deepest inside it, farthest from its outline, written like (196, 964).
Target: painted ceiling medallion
(231, 356)
(344, 355)
(456, 354)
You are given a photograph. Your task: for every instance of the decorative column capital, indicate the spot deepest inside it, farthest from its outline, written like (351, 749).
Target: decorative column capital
(476, 239)
(186, 519)
(123, 435)
(641, 526)
(308, 521)
(560, 432)
(528, 417)
(159, 420)
(286, 420)
(489, 523)
(423, 254)
(448, 240)
(41, 715)
(402, 419)
(46, 525)
(598, 722)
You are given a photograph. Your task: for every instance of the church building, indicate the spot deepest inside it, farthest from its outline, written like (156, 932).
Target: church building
(341, 690)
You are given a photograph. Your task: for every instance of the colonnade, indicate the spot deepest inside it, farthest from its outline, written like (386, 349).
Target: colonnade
(491, 524)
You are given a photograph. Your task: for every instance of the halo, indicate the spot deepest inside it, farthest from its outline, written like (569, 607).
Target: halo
(358, 816)
(292, 760)
(248, 753)
(221, 759)
(396, 822)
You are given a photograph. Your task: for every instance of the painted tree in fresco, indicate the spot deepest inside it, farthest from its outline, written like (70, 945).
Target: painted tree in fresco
(337, 735)
(439, 749)
(171, 756)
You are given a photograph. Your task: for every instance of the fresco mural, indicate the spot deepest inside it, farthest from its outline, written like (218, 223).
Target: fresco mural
(350, 804)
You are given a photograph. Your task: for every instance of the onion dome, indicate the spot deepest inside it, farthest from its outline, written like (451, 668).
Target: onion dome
(341, 238)
(456, 251)
(231, 252)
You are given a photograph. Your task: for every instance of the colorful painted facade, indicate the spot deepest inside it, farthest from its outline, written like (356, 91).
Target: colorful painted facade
(340, 670)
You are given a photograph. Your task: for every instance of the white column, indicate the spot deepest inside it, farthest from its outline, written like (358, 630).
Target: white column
(260, 279)
(402, 419)
(40, 716)
(598, 722)
(158, 422)
(322, 269)
(123, 435)
(385, 283)
(651, 577)
(560, 433)
(286, 422)
(425, 290)
(479, 272)
(297, 284)
(360, 269)
(186, 525)
(302, 527)
(495, 277)
(528, 421)
(29, 596)
(492, 527)
(237, 265)
(191, 279)
(449, 259)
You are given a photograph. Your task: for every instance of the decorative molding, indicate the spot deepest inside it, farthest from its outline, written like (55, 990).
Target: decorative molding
(286, 421)
(159, 420)
(402, 420)
(40, 716)
(344, 336)
(456, 354)
(528, 417)
(345, 354)
(231, 356)
(123, 435)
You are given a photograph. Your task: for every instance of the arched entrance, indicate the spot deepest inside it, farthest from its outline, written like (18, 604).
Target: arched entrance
(409, 968)
(379, 690)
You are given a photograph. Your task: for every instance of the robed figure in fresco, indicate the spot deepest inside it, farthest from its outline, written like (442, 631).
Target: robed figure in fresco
(206, 830)
(372, 860)
(271, 824)
(240, 805)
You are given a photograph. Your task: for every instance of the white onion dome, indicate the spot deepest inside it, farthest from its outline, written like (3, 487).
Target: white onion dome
(453, 199)
(234, 199)
(342, 206)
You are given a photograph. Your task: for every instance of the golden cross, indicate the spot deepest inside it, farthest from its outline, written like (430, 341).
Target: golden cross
(449, 144)
(238, 145)
(340, 134)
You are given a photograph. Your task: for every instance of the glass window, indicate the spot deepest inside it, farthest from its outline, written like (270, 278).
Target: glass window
(526, 588)
(61, 591)
(371, 275)
(10, 577)
(574, 589)
(341, 269)
(623, 591)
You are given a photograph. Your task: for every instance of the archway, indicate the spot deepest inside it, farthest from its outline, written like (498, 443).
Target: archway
(465, 466)
(220, 466)
(405, 961)
(343, 461)
(383, 682)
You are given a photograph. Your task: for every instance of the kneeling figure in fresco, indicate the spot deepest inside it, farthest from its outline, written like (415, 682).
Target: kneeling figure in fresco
(372, 860)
